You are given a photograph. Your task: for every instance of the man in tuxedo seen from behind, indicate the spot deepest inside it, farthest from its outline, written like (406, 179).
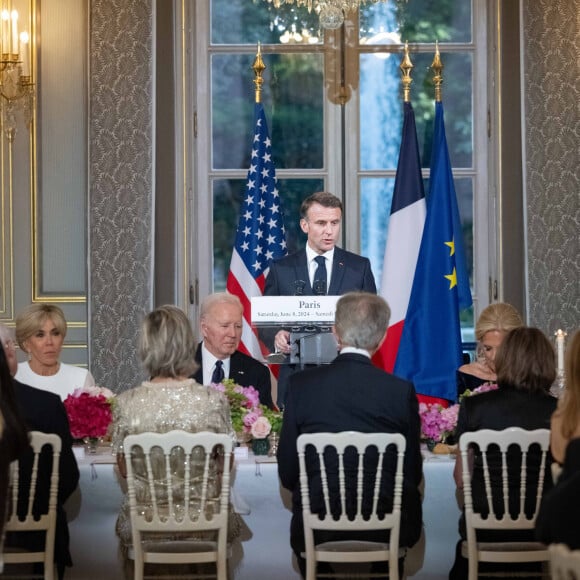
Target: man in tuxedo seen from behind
(351, 394)
(221, 322)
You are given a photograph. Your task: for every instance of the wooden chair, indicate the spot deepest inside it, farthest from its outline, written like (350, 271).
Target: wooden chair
(512, 465)
(564, 563)
(173, 491)
(351, 498)
(33, 519)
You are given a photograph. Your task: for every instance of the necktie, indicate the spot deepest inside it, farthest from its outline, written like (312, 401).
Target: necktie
(319, 284)
(218, 372)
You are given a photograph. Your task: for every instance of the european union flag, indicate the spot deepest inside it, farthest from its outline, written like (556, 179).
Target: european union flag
(430, 348)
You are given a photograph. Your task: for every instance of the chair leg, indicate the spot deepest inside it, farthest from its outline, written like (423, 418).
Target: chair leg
(310, 568)
(222, 569)
(394, 568)
(472, 569)
(49, 569)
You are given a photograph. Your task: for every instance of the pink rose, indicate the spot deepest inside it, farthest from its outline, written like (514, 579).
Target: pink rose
(261, 428)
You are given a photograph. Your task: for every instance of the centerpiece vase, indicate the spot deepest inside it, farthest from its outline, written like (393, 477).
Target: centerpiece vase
(92, 444)
(431, 444)
(260, 446)
(242, 438)
(273, 444)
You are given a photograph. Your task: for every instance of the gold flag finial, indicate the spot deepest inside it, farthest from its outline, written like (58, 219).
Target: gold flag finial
(259, 68)
(437, 67)
(406, 66)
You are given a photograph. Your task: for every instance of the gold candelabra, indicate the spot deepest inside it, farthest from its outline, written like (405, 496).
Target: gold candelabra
(16, 87)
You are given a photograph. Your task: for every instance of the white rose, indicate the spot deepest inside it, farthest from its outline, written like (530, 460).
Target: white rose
(261, 428)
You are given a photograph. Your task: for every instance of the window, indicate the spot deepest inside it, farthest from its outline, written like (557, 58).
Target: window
(334, 108)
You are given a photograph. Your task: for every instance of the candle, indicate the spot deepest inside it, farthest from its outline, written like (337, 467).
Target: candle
(24, 53)
(14, 38)
(560, 335)
(5, 31)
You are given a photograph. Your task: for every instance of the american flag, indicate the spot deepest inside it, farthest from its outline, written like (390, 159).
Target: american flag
(261, 235)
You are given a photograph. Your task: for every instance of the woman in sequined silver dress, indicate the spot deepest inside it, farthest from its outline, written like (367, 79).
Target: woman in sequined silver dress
(168, 400)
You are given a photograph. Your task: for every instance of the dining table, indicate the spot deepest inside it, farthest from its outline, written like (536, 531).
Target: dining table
(263, 548)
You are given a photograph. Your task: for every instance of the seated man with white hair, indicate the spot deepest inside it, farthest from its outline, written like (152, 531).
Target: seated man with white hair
(218, 355)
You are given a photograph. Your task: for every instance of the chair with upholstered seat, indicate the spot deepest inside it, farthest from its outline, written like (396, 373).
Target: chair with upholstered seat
(351, 482)
(29, 514)
(514, 466)
(179, 488)
(564, 563)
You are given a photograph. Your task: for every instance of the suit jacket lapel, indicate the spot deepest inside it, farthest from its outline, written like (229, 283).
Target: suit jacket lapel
(338, 270)
(235, 370)
(301, 271)
(198, 375)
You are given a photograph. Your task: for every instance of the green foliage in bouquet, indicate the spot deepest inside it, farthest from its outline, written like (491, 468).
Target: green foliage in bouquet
(245, 407)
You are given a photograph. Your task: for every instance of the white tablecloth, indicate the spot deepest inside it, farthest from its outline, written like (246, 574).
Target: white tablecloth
(264, 551)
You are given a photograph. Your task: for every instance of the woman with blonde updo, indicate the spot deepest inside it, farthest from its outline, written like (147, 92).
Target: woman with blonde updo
(565, 424)
(168, 400)
(493, 324)
(40, 332)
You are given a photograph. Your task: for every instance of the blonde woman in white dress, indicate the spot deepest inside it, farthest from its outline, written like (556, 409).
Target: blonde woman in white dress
(40, 333)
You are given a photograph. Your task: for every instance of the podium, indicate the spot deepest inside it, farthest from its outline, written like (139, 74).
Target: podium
(309, 320)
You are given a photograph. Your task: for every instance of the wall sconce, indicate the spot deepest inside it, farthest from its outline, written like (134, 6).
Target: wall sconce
(16, 87)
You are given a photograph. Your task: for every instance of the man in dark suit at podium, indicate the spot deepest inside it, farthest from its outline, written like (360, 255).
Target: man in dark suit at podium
(319, 269)
(351, 394)
(218, 355)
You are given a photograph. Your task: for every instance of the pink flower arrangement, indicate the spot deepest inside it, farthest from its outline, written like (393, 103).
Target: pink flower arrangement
(246, 410)
(89, 411)
(438, 422)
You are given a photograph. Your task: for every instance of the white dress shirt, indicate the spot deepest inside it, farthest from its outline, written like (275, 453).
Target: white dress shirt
(311, 256)
(354, 350)
(208, 361)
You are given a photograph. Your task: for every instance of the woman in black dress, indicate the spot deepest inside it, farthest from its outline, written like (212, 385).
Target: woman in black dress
(526, 369)
(13, 435)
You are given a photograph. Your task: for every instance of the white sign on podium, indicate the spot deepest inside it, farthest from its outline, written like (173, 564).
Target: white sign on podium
(308, 319)
(293, 310)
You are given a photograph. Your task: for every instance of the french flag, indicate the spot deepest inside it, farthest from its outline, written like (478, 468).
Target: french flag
(408, 211)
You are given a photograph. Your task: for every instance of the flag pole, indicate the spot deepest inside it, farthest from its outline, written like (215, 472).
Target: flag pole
(437, 67)
(406, 67)
(259, 67)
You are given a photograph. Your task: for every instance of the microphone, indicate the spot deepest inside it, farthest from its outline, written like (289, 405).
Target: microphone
(319, 287)
(299, 287)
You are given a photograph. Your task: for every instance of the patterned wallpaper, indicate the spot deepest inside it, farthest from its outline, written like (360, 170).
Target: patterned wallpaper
(552, 135)
(121, 186)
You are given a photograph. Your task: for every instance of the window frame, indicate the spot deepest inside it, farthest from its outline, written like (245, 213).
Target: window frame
(339, 120)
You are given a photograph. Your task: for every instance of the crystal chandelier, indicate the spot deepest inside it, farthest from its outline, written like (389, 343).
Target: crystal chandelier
(330, 12)
(16, 88)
